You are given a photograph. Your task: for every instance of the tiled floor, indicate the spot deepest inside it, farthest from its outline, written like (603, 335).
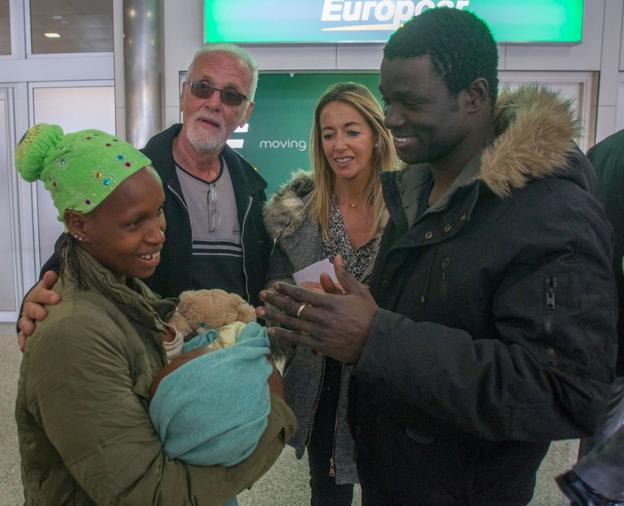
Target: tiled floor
(286, 484)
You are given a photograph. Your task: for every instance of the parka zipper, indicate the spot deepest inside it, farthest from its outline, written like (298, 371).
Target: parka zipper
(332, 460)
(551, 302)
(243, 248)
(445, 263)
(423, 296)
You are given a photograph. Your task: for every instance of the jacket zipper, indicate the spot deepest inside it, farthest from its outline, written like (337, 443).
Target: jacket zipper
(243, 248)
(316, 403)
(551, 302)
(180, 199)
(445, 263)
(423, 296)
(332, 460)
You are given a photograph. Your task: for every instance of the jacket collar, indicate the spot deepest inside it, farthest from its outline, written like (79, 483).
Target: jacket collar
(139, 303)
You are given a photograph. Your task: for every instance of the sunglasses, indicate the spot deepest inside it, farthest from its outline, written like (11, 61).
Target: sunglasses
(229, 96)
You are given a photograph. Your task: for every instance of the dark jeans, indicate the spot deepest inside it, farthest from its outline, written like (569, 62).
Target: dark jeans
(325, 491)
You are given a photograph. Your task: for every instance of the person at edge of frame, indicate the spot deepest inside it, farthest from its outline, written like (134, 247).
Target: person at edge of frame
(598, 476)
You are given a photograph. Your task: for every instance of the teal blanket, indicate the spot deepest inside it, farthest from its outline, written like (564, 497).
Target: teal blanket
(213, 409)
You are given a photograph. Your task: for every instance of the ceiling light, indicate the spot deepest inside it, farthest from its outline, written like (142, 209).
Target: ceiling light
(52, 35)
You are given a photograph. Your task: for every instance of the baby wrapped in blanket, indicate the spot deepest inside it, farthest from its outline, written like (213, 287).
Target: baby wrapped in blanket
(210, 406)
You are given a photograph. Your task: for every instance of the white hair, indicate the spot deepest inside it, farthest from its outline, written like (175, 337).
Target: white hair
(241, 54)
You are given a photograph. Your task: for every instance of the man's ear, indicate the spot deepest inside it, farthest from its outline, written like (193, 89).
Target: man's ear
(76, 223)
(247, 115)
(477, 95)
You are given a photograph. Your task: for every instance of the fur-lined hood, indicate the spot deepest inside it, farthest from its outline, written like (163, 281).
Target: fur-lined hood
(535, 131)
(286, 210)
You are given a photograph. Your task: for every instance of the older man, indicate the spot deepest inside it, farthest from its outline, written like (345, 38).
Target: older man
(490, 325)
(215, 233)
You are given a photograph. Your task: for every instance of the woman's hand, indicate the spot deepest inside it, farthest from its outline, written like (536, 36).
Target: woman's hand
(312, 285)
(325, 285)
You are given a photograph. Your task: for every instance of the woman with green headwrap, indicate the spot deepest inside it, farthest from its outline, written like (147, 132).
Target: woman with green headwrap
(85, 435)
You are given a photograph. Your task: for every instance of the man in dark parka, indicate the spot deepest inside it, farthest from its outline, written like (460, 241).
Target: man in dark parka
(489, 329)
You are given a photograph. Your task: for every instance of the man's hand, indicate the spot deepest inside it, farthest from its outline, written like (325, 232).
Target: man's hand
(33, 309)
(336, 325)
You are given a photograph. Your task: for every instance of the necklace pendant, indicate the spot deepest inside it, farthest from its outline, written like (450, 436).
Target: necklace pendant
(353, 205)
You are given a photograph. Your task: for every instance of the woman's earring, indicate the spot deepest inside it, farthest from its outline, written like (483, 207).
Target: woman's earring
(77, 237)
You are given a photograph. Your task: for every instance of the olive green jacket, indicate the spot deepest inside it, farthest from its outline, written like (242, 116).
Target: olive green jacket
(85, 435)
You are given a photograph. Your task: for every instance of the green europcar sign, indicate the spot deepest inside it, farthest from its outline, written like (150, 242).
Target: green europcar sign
(336, 21)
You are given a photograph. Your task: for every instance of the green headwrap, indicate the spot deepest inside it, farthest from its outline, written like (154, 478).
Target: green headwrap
(79, 169)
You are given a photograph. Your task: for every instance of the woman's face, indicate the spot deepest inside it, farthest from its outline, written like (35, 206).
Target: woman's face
(348, 141)
(126, 231)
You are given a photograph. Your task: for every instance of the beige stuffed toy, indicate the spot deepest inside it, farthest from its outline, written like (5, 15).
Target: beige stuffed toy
(200, 310)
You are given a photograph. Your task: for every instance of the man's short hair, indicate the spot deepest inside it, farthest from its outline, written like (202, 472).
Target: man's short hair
(459, 44)
(238, 52)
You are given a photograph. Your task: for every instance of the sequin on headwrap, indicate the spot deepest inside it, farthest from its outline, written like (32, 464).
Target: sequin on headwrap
(79, 169)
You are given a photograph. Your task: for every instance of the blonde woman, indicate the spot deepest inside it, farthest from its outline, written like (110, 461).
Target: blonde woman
(336, 210)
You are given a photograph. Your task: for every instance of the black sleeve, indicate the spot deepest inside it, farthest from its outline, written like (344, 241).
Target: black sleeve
(52, 264)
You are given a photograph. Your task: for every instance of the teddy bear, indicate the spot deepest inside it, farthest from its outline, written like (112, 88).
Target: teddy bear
(201, 310)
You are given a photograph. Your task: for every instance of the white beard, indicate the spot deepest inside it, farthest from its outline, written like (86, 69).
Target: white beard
(202, 142)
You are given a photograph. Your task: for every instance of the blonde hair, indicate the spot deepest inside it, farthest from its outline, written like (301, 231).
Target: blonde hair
(384, 156)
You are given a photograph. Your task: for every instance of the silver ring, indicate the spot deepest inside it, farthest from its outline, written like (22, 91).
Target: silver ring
(300, 310)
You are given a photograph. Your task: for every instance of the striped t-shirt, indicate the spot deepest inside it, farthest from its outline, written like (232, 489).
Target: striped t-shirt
(217, 251)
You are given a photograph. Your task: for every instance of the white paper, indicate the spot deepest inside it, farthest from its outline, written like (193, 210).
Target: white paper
(313, 272)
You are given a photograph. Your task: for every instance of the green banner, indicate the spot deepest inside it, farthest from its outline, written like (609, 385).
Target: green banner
(333, 21)
(277, 136)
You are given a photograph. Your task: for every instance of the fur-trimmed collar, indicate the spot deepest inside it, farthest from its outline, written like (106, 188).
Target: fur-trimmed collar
(285, 211)
(535, 129)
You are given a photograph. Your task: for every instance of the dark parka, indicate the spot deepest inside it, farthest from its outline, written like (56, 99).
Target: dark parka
(173, 275)
(497, 332)
(607, 157)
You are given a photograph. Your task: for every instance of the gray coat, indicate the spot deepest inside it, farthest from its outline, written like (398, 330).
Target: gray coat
(297, 244)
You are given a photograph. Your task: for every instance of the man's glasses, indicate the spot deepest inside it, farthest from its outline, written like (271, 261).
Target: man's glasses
(229, 96)
(214, 216)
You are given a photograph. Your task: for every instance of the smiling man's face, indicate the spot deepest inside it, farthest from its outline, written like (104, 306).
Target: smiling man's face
(427, 123)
